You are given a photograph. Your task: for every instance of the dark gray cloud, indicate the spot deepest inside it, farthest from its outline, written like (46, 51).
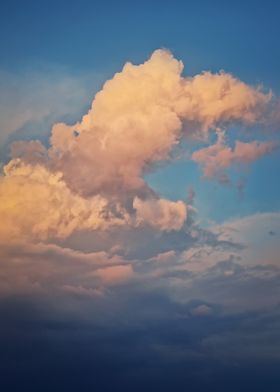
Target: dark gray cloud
(150, 343)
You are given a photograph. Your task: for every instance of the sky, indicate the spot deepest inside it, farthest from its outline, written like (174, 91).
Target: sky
(139, 196)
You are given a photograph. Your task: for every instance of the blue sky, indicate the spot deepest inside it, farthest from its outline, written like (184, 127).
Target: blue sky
(88, 38)
(86, 35)
(122, 266)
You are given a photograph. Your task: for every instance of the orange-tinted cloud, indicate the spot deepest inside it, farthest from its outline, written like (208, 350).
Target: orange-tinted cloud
(114, 275)
(137, 119)
(35, 203)
(92, 177)
(162, 214)
(219, 156)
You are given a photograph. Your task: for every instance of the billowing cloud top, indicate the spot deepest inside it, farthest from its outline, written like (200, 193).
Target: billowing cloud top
(91, 178)
(83, 235)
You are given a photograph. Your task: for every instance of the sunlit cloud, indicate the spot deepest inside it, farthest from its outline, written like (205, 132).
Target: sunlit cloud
(218, 157)
(92, 176)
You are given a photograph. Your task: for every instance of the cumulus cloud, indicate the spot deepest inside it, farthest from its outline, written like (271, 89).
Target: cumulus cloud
(92, 176)
(83, 233)
(217, 157)
(163, 214)
(36, 203)
(139, 117)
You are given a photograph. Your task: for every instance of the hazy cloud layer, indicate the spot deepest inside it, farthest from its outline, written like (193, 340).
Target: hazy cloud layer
(32, 100)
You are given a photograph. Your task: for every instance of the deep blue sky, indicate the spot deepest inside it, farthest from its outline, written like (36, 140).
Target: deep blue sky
(241, 37)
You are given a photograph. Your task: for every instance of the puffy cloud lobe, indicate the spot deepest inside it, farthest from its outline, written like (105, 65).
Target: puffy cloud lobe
(131, 125)
(214, 99)
(35, 203)
(219, 156)
(162, 214)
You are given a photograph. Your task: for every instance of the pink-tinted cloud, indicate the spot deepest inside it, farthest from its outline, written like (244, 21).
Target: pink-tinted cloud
(114, 275)
(92, 177)
(35, 203)
(162, 214)
(217, 157)
(137, 119)
(40, 267)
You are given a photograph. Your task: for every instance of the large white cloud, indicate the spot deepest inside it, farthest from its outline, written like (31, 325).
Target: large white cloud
(92, 177)
(140, 116)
